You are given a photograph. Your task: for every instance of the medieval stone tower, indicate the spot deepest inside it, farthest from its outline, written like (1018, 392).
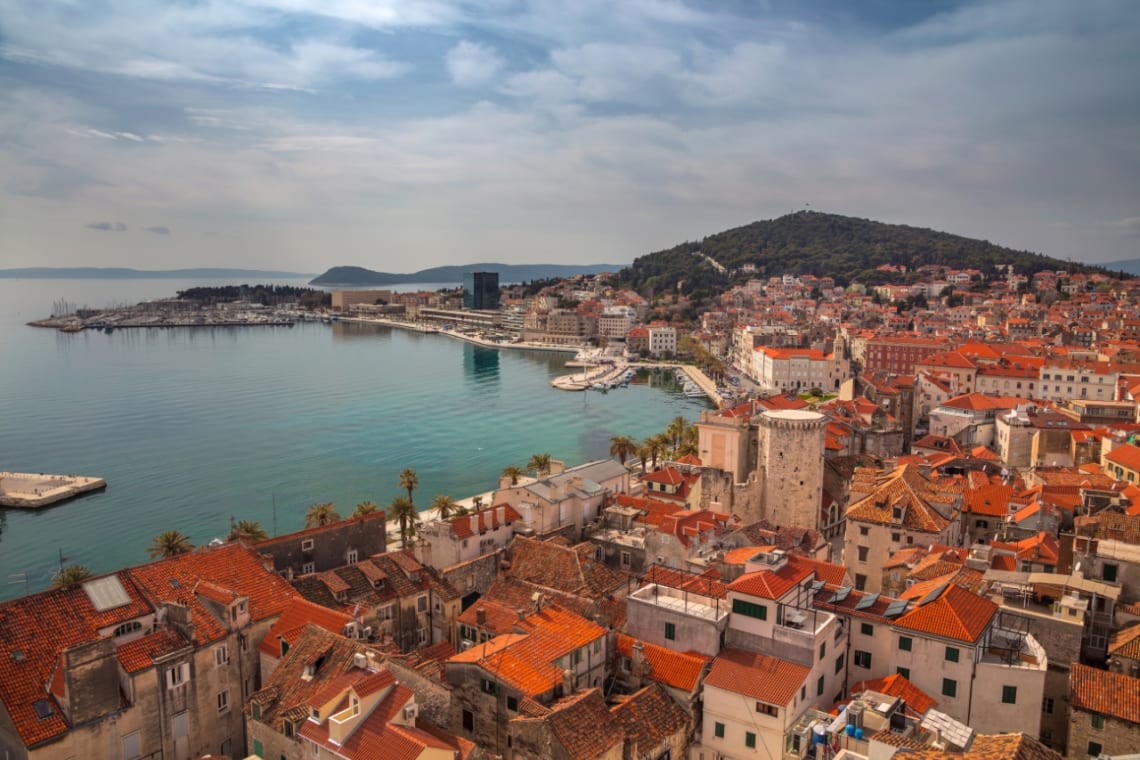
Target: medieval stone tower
(790, 466)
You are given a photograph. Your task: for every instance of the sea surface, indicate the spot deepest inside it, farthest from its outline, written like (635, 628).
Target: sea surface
(193, 426)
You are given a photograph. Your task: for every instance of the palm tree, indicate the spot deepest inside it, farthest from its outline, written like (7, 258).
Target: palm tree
(675, 430)
(539, 464)
(690, 441)
(403, 509)
(321, 514)
(409, 481)
(365, 508)
(249, 531)
(444, 506)
(168, 544)
(622, 447)
(514, 472)
(654, 447)
(643, 453)
(70, 576)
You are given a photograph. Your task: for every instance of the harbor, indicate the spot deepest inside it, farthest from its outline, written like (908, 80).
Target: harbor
(25, 490)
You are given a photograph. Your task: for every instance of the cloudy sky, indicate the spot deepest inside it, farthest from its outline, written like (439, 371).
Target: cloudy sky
(301, 134)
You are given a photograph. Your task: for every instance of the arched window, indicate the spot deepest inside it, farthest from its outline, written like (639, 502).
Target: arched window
(127, 628)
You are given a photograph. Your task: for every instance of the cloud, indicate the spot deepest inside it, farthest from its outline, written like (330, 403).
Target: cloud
(107, 226)
(472, 64)
(160, 230)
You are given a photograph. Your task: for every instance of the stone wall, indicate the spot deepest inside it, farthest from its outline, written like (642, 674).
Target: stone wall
(433, 697)
(1118, 737)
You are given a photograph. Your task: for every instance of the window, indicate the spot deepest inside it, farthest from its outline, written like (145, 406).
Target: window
(1097, 721)
(255, 711)
(221, 655)
(862, 659)
(1009, 695)
(308, 568)
(626, 560)
(513, 704)
(718, 730)
(670, 631)
(895, 537)
(860, 582)
(819, 687)
(904, 643)
(749, 740)
(867, 629)
(839, 663)
(822, 649)
(178, 675)
(904, 672)
(951, 654)
(130, 626)
(1047, 705)
(863, 550)
(765, 709)
(132, 746)
(257, 748)
(468, 722)
(803, 693)
(223, 700)
(351, 556)
(421, 604)
(1108, 572)
(1094, 749)
(949, 687)
(487, 686)
(307, 545)
(751, 609)
(864, 530)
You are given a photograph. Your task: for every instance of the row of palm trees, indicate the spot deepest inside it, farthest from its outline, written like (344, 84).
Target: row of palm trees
(678, 440)
(171, 543)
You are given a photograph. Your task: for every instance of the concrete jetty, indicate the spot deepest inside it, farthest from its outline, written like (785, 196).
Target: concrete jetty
(29, 490)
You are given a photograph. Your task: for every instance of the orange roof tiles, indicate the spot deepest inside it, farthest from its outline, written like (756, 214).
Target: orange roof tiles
(1100, 691)
(681, 670)
(758, 676)
(956, 614)
(769, 584)
(486, 519)
(296, 615)
(897, 685)
(907, 489)
(140, 654)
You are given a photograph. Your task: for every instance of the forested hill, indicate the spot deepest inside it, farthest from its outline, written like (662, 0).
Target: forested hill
(508, 273)
(810, 242)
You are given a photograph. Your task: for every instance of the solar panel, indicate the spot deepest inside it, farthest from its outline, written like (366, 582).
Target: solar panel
(896, 608)
(42, 708)
(867, 601)
(839, 595)
(934, 594)
(817, 586)
(106, 593)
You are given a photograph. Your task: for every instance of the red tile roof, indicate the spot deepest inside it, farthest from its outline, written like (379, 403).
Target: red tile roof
(648, 718)
(681, 670)
(296, 615)
(768, 584)
(1100, 691)
(897, 685)
(487, 519)
(956, 614)
(758, 676)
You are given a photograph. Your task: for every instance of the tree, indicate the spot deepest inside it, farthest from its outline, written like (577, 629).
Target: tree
(622, 447)
(321, 514)
(643, 453)
(249, 531)
(365, 508)
(675, 430)
(409, 481)
(169, 544)
(654, 447)
(70, 576)
(404, 510)
(690, 442)
(444, 506)
(514, 472)
(539, 464)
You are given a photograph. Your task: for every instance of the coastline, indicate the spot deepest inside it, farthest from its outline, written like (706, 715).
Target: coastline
(412, 326)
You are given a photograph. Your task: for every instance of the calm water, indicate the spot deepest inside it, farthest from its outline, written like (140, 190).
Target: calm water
(191, 426)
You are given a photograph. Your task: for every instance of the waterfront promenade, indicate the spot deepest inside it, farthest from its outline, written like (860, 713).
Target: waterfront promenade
(458, 335)
(34, 490)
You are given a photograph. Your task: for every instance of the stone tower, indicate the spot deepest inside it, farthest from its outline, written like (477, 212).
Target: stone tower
(790, 466)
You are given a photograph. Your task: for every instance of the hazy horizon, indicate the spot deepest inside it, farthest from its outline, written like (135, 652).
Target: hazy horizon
(299, 135)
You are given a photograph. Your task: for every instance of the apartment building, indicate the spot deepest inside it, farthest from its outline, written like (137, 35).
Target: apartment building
(443, 543)
(1105, 713)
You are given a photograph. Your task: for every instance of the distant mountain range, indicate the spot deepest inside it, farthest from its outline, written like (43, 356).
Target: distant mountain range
(119, 273)
(508, 273)
(810, 242)
(1128, 266)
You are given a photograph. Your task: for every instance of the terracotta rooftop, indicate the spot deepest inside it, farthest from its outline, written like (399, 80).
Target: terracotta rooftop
(956, 614)
(906, 489)
(649, 717)
(569, 569)
(298, 614)
(897, 685)
(991, 747)
(486, 519)
(681, 670)
(1113, 694)
(769, 584)
(568, 717)
(757, 676)
(1126, 642)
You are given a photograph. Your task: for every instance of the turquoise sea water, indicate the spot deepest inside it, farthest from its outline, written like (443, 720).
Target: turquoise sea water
(191, 426)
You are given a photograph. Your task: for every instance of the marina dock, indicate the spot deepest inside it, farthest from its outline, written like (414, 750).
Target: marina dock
(26, 490)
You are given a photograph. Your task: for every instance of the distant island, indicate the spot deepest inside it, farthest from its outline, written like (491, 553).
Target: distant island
(125, 273)
(508, 273)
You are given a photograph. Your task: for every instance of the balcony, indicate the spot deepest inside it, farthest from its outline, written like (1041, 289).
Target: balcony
(682, 602)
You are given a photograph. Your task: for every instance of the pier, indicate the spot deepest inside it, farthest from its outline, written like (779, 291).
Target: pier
(28, 490)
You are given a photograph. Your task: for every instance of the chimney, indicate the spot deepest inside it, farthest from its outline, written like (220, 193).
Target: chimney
(638, 665)
(567, 682)
(475, 522)
(501, 515)
(480, 616)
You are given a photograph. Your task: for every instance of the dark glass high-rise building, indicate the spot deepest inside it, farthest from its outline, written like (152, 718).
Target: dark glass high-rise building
(481, 290)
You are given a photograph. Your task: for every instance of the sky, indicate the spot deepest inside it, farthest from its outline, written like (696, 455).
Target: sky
(304, 134)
